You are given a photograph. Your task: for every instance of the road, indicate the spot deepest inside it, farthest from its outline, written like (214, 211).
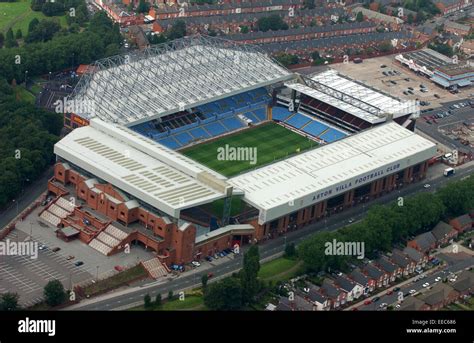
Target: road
(272, 248)
(30, 193)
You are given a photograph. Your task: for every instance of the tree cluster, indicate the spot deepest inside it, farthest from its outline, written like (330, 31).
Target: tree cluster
(387, 225)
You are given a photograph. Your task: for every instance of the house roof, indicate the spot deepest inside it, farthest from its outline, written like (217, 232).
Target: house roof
(425, 240)
(386, 265)
(345, 283)
(413, 254)
(411, 304)
(465, 219)
(400, 259)
(316, 296)
(441, 230)
(453, 25)
(437, 294)
(465, 281)
(359, 277)
(329, 289)
(373, 271)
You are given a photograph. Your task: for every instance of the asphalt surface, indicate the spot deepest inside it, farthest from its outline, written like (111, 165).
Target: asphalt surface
(274, 247)
(458, 115)
(30, 193)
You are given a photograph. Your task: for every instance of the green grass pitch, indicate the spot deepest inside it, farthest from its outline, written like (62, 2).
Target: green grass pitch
(273, 142)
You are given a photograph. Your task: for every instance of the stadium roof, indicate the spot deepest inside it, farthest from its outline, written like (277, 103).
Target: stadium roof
(352, 97)
(300, 181)
(142, 168)
(171, 77)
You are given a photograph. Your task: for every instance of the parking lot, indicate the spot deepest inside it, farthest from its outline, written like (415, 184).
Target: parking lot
(438, 123)
(398, 81)
(27, 276)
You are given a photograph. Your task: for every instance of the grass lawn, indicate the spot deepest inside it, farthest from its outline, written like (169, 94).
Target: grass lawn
(23, 94)
(117, 280)
(190, 302)
(279, 269)
(18, 15)
(272, 142)
(236, 207)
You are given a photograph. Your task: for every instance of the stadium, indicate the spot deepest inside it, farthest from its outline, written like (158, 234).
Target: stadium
(145, 169)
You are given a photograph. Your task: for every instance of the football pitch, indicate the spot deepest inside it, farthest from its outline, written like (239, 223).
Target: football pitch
(268, 142)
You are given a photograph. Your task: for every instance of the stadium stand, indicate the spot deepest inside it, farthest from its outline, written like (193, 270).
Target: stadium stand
(297, 120)
(50, 218)
(58, 211)
(115, 232)
(65, 204)
(107, 239)
(100, 246)
(280, 113)
(155, 268)
(206, 121)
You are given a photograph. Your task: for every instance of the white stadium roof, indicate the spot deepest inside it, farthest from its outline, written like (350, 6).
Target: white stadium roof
(300, 181)
(137, 165)
(171, 77)
(352, 97)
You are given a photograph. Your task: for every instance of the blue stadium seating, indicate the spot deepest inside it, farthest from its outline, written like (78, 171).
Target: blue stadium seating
(232, 123)
(183, 138)
(260, 113)
(280, 113)
(315, 128)
(170, 142)
(215, 129)
(332, 135)
(199, 132)
(298, 120)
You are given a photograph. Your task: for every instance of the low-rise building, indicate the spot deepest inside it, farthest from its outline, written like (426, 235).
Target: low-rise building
(456, 28)
(423, 243)
(443, 233)
(417, 257)
(353, 289)
(406, 264)
(439, 296)
(367, 283)
(381, 277)
(462, 223)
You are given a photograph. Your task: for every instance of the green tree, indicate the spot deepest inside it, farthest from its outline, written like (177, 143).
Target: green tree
(9, 302)
(225, 295)
(19, 34)
(158, 300)
(143, 7)
(177, 30)
(170, 295)
(2, 40)
(204, 280)
(359, 17)
(147, 301)
(10, 39)
(290, 250)
(249, 274)
(33, 24)
(244, 29)
(54, 293)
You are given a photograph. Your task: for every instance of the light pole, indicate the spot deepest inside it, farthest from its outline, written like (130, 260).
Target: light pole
(26, 78)
(97, 276)
(16, 203)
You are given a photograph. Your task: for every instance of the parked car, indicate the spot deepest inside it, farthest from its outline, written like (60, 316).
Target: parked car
(396, 289)
(438, 279)
(436, 96)
(375, 299)
(56, 249)
(367, 302)
(78, 263)
(412, 291)
(118, 268)
(70, 257)
(208, 258)
(42, 247)
(196, 263)
(209, 275)
(426, 284)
